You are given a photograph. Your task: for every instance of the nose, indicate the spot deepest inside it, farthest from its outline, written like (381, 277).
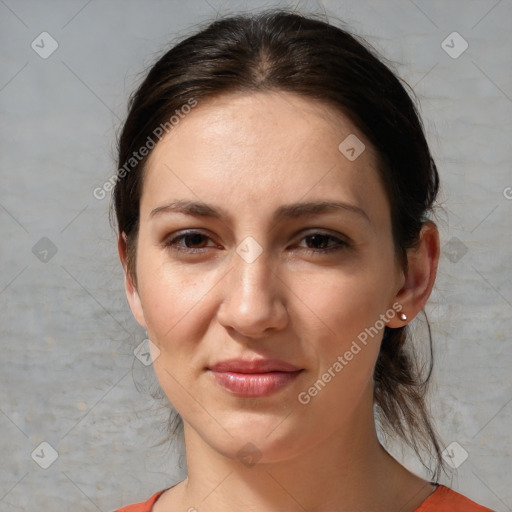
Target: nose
(253, 298)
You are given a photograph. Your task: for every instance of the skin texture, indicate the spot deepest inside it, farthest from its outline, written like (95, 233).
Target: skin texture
(250, 154)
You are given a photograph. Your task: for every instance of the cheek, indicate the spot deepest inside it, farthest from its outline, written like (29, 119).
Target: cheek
(345, 327)
(346, 304)
(345, 355)
(174, 304)
(172, 297)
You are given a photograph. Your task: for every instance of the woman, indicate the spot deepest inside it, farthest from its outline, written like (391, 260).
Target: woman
(272, 204)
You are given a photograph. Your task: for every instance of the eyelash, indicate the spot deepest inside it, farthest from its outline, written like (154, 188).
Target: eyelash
(172, 243)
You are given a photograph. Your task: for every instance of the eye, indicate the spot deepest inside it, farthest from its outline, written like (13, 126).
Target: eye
(190, 239)
(324, 243)
(196, 242)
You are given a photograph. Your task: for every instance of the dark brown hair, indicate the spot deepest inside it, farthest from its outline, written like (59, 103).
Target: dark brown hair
(279, 50)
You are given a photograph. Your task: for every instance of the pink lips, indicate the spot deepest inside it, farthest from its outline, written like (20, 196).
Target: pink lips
(254, 378)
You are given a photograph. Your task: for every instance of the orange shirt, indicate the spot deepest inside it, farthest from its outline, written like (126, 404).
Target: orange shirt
(442, 499)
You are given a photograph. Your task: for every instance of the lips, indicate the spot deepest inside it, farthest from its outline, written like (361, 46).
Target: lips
(256, 378)
(253, 366)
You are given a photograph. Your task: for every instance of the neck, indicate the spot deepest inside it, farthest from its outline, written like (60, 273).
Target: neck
(348, 470)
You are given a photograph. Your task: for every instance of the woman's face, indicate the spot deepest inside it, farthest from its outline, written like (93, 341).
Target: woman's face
(246, 281)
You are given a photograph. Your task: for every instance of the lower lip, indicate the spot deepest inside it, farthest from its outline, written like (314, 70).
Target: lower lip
(254, 384)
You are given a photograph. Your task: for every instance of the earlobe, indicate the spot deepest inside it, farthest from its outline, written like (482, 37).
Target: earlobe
(131, 290)
(420, 276)
(132, 295)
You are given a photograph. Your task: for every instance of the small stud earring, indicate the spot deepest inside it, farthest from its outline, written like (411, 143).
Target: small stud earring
(403, 317)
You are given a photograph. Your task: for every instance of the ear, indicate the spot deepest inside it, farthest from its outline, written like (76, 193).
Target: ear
(420, 276)
(130, 287)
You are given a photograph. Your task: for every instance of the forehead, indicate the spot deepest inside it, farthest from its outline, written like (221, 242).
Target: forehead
(242, 148)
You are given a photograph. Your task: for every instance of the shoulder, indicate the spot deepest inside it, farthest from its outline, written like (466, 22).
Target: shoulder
(142, 507)
(444, 499)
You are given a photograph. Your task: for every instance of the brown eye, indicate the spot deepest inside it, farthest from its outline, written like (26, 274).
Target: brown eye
(191, 241)
(324, 243)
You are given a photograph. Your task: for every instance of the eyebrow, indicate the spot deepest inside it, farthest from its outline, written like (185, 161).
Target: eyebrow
(284, 212)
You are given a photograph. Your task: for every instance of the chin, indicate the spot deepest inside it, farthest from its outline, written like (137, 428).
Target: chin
(264, 440)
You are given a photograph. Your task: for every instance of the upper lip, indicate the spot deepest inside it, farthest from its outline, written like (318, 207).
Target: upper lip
(253, 366)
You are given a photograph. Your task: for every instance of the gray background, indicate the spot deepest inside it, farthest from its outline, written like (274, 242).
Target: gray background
(68, 374)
